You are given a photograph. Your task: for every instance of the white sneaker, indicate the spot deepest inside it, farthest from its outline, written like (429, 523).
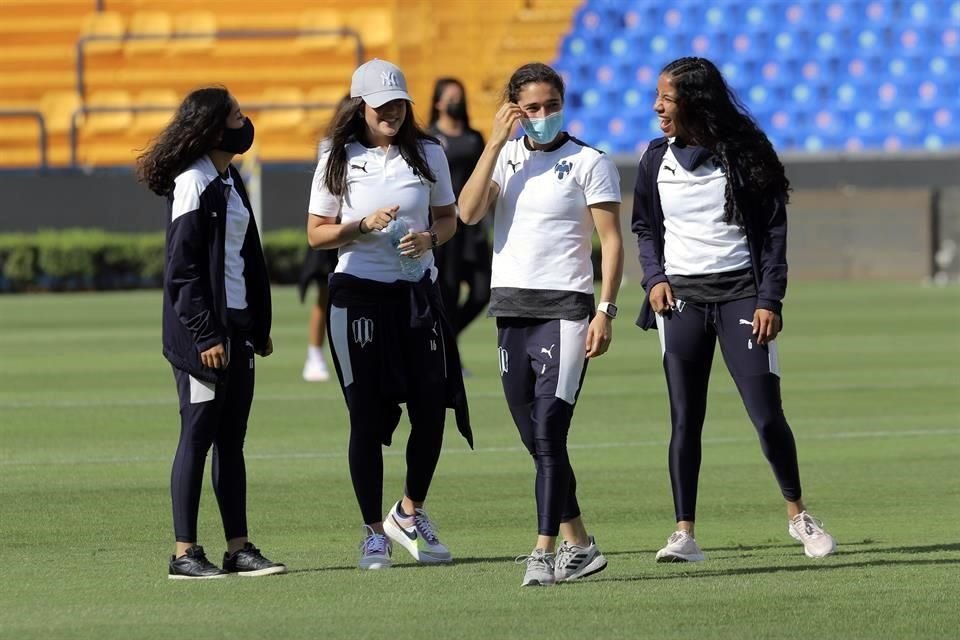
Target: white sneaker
(817, 543)
(681, 547)
(417, 534)
(374, 550)
(540, 571)
(315, 371)
(574, 562)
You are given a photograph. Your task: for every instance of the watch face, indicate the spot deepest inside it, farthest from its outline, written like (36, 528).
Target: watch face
(608, 308)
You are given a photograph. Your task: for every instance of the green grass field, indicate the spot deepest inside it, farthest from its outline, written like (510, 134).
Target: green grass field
(88, 427)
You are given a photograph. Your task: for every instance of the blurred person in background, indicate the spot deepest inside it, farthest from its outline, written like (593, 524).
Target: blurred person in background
(380, 181)
(465, 260)
(317, 267)
(216, 317)
(710, 218)
(551, 191)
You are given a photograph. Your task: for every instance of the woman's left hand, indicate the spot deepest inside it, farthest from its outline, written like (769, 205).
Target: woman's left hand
(414, 245)
(599, 335)
(267, 350)
(766, 325)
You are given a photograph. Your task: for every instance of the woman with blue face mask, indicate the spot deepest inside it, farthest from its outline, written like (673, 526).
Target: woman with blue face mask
(550, 191)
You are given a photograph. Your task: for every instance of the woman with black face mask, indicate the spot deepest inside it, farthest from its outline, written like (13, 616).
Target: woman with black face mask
(465, 260)
(216, 316)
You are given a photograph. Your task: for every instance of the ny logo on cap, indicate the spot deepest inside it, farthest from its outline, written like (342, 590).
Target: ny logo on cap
(389, 79)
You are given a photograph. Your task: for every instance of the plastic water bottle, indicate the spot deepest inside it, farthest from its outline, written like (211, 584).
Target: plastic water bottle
(411, 268)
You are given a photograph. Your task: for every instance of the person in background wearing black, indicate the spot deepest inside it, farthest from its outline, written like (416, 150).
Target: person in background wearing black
(465, 260)
(216, 316)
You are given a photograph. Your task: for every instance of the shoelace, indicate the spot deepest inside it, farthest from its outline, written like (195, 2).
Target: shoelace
(425, 526)
(566, 553)
(373, 543)
(536, 558)
(675, 537)
(811, 527)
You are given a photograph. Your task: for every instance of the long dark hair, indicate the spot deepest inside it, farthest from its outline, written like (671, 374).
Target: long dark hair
(349, 124)
(195, 129)
(532, 72)
(438, 88)
(712, 115)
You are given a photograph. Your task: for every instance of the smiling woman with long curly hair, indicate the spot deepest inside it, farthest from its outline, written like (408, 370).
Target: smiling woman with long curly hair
(710, 217)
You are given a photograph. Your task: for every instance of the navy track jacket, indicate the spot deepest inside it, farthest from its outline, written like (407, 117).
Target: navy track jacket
(766, 235)
(194, 291)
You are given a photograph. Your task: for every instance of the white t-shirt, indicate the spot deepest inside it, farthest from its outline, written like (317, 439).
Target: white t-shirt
(697, 241)
(186, 198)
(542, 223)
(378, 178)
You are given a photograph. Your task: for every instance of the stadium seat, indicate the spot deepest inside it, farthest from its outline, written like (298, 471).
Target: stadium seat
(149, 33)
(58, 108)
(287, 118)
(96, 123)
(194, 32)
(325, 19)
(108, 25)
(153, 121)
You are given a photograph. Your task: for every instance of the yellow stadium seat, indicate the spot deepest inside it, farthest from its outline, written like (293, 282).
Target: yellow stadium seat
(103, 24)
(58, 108)
(319, 19)
(108, 122)
(375, 26)
(278, 119)
(201, 26)
(156, 24)
(154, 121)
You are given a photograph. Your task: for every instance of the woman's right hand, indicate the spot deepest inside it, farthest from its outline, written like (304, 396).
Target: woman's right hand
(379, 219)
(216, 357)
(505, 122)
(661, 298)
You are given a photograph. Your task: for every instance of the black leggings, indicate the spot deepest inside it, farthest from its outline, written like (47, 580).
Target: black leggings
(688, 337)
(221, 422)
(542, 369)
(375, 351)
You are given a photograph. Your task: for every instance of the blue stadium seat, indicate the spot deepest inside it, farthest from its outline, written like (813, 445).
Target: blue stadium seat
(816, 74)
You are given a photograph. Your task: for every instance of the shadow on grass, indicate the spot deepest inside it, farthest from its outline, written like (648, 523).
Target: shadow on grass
(821, 565)
(830, 563)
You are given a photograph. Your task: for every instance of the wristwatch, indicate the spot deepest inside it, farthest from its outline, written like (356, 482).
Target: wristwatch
(434, 240)
(608, 308)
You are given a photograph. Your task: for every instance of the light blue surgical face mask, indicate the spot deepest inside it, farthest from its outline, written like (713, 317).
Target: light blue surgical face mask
(543, 130)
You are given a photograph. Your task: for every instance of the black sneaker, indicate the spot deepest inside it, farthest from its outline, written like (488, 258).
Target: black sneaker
(250, 562)
(194, 566)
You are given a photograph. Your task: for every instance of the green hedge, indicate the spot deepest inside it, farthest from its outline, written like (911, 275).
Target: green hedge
(79, 259)
(85, 259)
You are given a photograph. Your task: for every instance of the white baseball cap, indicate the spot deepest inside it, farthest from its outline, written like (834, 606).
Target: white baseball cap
(378, 82)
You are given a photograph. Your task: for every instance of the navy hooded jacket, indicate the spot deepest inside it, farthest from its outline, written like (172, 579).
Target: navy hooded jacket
(194, 289)
(765, 226)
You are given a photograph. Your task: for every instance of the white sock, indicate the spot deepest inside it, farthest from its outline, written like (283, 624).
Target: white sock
(315, 354)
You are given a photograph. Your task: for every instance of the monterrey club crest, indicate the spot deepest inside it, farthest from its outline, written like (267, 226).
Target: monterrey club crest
(362, 331)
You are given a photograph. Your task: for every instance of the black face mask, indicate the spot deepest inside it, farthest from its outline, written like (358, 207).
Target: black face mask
(237, 140)
(457, 110)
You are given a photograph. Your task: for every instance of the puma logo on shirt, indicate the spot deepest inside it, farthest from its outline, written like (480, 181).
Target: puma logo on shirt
(362, 167)
(514, 165)
(672, 170)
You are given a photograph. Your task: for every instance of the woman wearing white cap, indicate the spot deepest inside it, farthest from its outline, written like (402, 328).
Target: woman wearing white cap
(379, 182)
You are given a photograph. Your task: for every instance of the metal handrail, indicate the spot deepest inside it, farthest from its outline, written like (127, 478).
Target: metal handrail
(85, 109)
(41, 123)
(240, 34)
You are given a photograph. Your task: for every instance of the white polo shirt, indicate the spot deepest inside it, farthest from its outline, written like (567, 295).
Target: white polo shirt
(696, 240)
(378, 178)
(542, 223)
